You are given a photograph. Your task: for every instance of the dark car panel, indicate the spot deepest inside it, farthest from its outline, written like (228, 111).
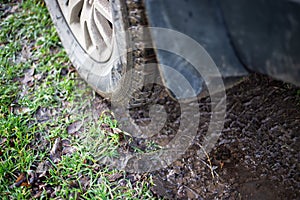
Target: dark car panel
(240, 35)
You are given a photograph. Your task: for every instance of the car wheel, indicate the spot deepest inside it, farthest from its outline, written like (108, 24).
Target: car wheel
(97, 35)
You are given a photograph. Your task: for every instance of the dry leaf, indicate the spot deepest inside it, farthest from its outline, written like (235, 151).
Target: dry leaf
(14, 8)
(42, 168)
(115, 177)
(74, 127)
(84, 182)
(20, 177)
(38, 77)
(2, 141)
(26, 184)
(32, 177)
(66, 143)
(37, 195)
(28, 78)
(43, 114)
(55, 152)
(20, 180)
(21, 110)
(25, 53)
(68, 151)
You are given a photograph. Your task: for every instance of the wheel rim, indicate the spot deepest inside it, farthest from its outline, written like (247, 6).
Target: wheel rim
(92, 25)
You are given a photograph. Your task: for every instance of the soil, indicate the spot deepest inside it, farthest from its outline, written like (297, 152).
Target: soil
(257, 155)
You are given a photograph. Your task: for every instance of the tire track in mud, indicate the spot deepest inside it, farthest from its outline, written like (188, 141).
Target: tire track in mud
(257, 156)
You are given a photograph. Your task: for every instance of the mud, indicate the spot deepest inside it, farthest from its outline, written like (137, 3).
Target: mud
(257, 155)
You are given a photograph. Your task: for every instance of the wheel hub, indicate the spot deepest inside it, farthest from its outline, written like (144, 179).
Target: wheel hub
(92, 25)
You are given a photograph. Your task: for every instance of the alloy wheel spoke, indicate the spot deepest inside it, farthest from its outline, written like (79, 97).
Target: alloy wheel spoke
(85, 26)
(104, 8)
(103, 27)
(75, 8)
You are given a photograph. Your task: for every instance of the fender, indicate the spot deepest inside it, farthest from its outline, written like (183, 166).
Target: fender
(241, 36)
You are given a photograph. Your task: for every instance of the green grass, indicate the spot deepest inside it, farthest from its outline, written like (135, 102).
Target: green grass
(29, 45)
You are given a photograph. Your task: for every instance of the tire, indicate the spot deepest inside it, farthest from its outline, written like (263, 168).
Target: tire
(104, 63)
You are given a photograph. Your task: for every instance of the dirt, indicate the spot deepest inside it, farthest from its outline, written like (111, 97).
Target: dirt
(257, 155)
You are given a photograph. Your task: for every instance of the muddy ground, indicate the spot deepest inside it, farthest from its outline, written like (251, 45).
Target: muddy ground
(257, 155)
